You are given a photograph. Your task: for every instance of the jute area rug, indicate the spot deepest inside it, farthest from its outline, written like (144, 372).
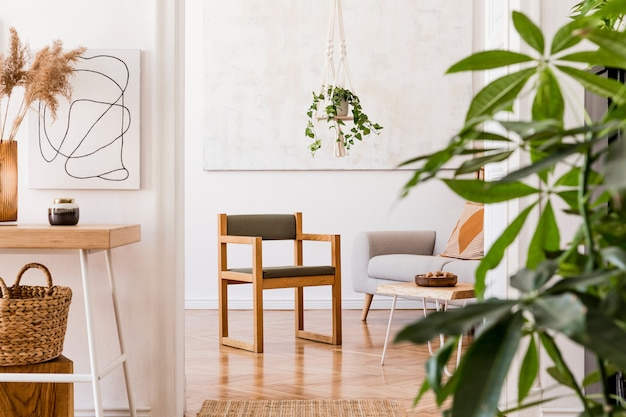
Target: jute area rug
(302, 408)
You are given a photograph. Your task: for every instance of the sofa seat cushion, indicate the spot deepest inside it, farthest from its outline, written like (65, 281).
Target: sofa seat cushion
(403, 267)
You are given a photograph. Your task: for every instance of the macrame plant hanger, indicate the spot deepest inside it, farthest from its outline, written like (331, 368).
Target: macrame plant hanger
(332, 78)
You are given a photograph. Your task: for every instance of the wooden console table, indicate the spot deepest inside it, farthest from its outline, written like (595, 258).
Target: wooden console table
(440, 295)
(86, 239)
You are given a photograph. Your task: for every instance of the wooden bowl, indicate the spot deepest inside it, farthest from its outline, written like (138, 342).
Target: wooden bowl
(424, 281)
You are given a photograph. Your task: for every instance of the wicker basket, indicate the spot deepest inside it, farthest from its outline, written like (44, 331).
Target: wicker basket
(33, 320)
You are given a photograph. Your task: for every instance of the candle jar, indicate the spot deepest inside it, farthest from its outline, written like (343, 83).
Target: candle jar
(64, 212)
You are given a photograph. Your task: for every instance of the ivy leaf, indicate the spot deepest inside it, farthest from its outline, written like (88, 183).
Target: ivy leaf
(488, 60)
(499, 94)
(489, 192)
(529, 31)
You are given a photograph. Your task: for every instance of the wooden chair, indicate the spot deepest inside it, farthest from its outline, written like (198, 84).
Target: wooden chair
(252, 229)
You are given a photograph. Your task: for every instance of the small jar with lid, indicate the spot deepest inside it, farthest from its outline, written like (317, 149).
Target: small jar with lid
(64, 212)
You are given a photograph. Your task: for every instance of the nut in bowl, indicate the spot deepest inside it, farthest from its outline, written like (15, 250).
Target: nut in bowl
(436, 279)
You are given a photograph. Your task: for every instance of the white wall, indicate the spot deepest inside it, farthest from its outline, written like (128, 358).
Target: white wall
(148, 274)
(343, 202)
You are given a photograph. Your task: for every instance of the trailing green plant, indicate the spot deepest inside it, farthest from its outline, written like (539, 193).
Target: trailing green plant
(574, 289)
(338, 98)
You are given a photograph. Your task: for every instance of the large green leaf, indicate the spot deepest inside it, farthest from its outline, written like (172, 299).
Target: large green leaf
(488, 60)
(548, 103)
(529, 32)
(557, 155)
(599, 58)
(436, 364)
(532, 280)
(563, 313)
(610, 42)
(455, 321)
(489, 192)
(611, 8)
(616, 256)
(581, 283)
(499, 94)
(546, 238)
(475, 164)
(529, 370)
(569, 35)
(604, 337)
(484, 368)
(561, 373)
(601, 86)
(571, 178)
(496, 252)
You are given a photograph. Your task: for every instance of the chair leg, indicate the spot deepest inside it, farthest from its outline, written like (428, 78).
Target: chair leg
(223, 309)
(366, 306)
(257, 311)
(336, 313)
(299, 308)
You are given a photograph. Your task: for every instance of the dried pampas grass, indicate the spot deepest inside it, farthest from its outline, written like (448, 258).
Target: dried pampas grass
(45, 80)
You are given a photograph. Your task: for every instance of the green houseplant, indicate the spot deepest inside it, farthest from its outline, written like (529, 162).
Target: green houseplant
(337, 101)
(574, 289)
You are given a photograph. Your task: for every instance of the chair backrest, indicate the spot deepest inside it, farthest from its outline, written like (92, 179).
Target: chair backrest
(266, 226)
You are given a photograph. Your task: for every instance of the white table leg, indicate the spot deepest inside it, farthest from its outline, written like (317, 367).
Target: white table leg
(393, 308)
(91, 342)
(131, 402)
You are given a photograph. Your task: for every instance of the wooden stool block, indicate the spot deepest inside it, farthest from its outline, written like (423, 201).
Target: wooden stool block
(27, 399)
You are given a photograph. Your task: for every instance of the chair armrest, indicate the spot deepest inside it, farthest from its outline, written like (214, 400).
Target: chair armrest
(245, 240)
(316, 237)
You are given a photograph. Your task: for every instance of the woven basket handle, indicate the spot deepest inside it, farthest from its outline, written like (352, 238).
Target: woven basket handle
(34, 265)
(5, 290)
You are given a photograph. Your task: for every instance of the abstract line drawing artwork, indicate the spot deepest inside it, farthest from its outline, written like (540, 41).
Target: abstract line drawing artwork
(94, 143)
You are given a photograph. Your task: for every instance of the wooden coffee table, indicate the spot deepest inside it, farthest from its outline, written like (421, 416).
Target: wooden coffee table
(439, 295)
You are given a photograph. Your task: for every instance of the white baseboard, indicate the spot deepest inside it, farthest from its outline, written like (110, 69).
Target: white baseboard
(141, 412)
(561, 412)
(379, 303)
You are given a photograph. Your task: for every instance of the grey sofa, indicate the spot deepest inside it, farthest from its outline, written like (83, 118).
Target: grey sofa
(384, 257)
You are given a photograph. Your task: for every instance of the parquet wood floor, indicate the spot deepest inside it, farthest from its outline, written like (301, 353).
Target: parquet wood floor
(292, 368)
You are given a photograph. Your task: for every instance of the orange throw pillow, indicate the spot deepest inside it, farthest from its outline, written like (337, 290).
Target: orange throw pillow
(467, 239)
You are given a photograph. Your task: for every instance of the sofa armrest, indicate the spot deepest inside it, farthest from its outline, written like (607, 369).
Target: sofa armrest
(370, 244)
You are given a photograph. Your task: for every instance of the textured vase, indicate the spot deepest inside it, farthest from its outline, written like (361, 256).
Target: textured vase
(8, 181)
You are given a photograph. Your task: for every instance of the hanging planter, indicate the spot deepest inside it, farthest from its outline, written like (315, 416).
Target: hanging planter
(334, 100)
(333, 106)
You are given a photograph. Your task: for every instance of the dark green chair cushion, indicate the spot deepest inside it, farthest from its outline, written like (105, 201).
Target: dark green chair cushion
(266, 226)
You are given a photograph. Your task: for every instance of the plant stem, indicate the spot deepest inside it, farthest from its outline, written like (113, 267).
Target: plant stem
(584, 211)
(4, 121)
